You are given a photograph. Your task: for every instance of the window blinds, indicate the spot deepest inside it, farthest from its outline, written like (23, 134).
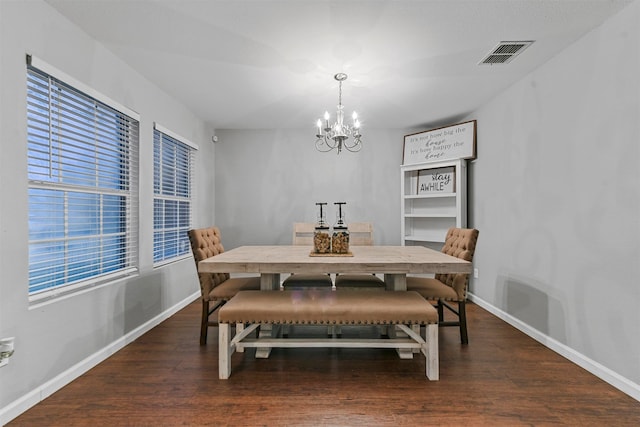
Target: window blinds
(82, 169)
(173, 166)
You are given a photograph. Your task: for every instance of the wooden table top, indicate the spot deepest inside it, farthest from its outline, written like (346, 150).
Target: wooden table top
(365, 259)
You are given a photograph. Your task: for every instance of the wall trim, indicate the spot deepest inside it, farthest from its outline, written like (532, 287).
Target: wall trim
(22, 404)
(616, 380)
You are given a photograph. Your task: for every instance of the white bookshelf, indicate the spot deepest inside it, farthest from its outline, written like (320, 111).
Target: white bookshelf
(427, 215)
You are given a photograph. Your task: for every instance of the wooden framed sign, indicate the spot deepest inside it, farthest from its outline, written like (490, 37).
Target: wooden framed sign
(437, 145)
(439, 180)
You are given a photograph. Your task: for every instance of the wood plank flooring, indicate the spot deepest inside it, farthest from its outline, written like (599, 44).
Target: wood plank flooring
(503, 377)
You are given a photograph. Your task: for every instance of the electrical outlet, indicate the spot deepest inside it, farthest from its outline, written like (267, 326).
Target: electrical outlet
(475, 273)
(6, 350)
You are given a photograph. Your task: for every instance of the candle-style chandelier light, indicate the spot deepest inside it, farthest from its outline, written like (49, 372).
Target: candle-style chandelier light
(336, 136)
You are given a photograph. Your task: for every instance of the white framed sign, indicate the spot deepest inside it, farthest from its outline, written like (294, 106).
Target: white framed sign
(437, 145)
(440, 180)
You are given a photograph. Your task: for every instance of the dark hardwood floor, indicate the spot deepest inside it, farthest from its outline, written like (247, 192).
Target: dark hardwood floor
(503, 377)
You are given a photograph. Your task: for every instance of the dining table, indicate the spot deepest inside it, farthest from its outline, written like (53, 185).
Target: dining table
(393, 262)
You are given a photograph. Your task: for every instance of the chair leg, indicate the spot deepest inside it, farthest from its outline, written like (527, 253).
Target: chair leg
(462, 314)
(204, 324)
(440, 311)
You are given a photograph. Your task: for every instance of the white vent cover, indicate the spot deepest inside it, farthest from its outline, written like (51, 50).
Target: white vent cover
(504, 52)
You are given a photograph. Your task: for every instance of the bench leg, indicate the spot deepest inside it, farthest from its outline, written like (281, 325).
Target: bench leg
(431, 353)
(224, 351)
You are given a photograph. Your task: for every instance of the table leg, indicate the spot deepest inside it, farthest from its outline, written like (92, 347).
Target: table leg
(395, 282)
(398, 282)
(416, 329)
(268, 282)
(266, 331)
(393, 332)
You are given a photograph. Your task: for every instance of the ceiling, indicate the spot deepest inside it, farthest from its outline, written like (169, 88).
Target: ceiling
(268, 64)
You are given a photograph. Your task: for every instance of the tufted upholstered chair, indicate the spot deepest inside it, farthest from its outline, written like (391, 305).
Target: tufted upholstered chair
(303, 235)
(460, 243)
(360, 234)
(216, 288)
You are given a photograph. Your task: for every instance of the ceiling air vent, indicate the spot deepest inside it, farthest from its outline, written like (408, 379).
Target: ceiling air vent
(505, 52)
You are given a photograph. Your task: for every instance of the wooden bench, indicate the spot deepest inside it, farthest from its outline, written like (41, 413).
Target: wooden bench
(405, 310)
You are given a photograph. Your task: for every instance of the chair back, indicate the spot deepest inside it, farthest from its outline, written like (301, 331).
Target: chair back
(360, 233)
(303, 233)
(460, 243)
(205, 243)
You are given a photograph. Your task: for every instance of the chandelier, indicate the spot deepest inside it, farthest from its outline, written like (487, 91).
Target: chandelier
(336, 136)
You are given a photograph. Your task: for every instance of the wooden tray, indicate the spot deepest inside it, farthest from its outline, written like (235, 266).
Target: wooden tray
(331, 254)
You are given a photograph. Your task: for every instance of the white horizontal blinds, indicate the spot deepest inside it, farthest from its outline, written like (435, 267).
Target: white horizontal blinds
(82, 168)
(173, 166)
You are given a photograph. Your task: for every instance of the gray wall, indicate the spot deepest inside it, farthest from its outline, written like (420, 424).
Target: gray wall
(52, 338)
(268, 179)
(555, 193)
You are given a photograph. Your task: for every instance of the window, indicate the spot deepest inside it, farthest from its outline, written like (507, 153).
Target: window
(82, 168)
(173, 159)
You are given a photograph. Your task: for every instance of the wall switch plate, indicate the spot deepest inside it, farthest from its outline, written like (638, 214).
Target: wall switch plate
(475, 273)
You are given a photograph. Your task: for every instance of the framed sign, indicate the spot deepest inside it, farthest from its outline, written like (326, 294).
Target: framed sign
(440, 180)
(437, 145)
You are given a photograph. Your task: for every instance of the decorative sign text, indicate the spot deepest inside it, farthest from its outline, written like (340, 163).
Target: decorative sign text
(441, 180)
(437, 145)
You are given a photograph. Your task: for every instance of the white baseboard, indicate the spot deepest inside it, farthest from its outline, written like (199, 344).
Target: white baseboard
(616, 380)
(45, 390)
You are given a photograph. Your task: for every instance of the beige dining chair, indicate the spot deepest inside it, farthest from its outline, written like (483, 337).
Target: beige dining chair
(303, 236)
(445, 288)
(360, 234)
(216, 288)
